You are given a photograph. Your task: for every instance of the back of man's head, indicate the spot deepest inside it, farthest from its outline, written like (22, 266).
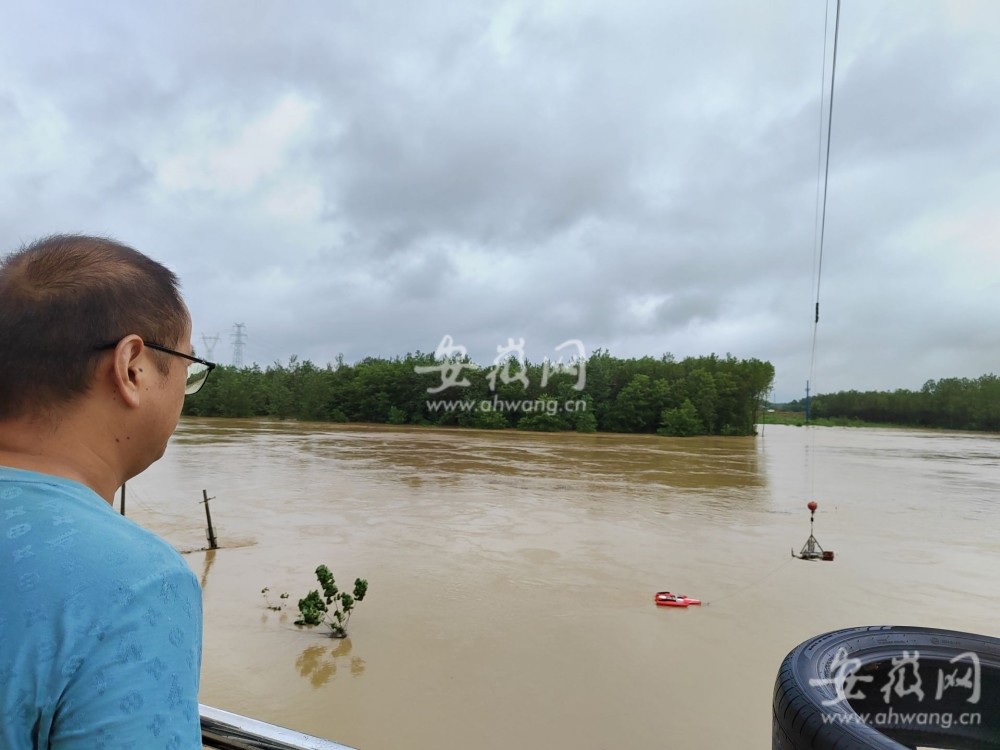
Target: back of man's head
(62, 299)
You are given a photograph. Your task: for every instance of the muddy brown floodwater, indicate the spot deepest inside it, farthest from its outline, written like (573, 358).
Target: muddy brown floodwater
(512, 574)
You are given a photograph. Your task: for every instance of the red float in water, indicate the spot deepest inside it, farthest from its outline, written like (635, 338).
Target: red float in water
(666, 599)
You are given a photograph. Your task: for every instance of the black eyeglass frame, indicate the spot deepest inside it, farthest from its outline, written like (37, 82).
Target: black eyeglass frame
(210, 365)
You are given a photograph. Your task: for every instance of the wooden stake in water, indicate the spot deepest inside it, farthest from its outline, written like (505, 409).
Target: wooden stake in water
(212, 544)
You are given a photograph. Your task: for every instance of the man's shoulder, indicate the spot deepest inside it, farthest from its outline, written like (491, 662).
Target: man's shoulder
(24, 492)
(67, 528)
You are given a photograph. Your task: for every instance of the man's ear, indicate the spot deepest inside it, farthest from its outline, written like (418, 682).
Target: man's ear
(127, 371)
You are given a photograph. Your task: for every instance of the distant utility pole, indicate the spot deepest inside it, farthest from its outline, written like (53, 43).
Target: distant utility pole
(239, 340)
(209, 342)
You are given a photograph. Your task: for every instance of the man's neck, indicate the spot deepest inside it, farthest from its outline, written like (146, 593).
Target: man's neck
(63, 452)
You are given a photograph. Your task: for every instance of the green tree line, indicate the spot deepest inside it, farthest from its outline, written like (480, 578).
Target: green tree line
(951, 403)
(708, 395)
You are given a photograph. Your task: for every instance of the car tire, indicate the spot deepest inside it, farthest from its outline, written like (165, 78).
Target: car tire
(847, 690)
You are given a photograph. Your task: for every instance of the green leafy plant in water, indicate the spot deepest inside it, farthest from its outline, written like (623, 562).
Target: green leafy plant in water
(333, 606)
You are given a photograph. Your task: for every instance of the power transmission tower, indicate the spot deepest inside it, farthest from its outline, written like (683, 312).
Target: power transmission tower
(239, 339)
(209, 342)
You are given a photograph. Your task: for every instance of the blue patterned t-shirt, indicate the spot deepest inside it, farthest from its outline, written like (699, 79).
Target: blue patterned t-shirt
(100, 625)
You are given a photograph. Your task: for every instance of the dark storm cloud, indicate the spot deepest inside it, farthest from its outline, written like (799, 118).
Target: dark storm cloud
(367, 178)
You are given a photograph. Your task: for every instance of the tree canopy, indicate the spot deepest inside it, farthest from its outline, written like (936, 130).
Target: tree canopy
(952, 403)
(707, 395)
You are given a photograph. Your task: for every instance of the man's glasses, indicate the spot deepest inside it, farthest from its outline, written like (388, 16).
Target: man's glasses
(198, 370)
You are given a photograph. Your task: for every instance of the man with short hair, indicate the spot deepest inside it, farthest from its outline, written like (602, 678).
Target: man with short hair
(100, 620)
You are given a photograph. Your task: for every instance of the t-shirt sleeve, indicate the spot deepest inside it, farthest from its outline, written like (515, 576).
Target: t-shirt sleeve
(134, 667)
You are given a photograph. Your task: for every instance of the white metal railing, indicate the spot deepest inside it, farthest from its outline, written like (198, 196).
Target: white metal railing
(222, 730)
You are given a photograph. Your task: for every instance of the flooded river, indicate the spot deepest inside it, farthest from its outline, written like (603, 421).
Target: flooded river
(512, 574)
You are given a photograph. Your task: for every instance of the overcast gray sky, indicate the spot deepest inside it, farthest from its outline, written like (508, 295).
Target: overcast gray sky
(365, 178)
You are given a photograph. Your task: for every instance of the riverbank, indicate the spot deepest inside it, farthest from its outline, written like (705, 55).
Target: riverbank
(798, 419)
